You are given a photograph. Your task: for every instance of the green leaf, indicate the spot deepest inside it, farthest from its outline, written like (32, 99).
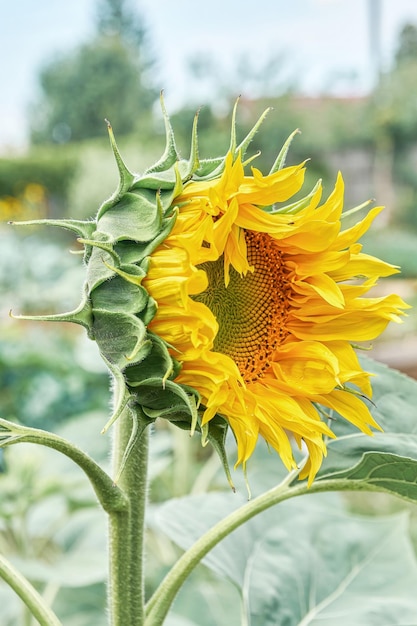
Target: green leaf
(297, 206)
(82, 560)
(306, 561)
(382, 472)
(395, 409)
(206, 601)
(186, 519)
(340, 570)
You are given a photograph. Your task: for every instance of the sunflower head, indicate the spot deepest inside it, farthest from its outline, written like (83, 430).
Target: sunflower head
(219, 300)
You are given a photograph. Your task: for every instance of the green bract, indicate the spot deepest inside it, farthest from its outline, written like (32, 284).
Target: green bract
(116, 308)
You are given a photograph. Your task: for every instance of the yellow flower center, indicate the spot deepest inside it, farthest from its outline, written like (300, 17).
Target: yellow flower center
(252, 309)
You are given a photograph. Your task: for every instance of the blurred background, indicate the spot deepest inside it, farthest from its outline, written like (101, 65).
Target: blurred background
(343, 71)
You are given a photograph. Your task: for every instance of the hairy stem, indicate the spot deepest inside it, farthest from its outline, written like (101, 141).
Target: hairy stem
(126, 583)
(109, 496)
(32, 599)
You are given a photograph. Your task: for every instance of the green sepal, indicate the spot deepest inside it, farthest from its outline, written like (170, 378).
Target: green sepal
(139, 423)
(208, 168)
(132, 252)
(121, 394)
(176, 190)
(212, 168)
(121, 337)
(82, 315)
(118, 294)
(163, 180)
(80, 227)
(170, 154)
(233, 139)
(102, 245)
(99, 268)
(157, 364)
(216, 433)
(131, 273)
(177, 414)
(126, 177)
(279, 162)
(150, 311)
(166, 180)
(193, 161)
(243, 146)
(295, 207)
(136, 216)
(357, 208)
(159, 397)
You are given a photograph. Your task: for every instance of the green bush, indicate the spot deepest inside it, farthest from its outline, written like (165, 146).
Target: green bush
(52, 168)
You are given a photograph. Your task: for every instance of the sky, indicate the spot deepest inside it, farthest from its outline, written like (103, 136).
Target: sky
(324, 45)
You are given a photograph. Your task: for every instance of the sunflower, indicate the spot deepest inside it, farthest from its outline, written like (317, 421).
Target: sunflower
(261, 302)
(217, 301)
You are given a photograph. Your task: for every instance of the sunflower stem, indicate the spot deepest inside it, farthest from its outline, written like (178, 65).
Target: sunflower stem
(36, 605)
(126, 527)
(159, 604)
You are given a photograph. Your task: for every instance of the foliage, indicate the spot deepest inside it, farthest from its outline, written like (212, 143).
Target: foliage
(106, 78)
(53, 170)
(307, 561)
(47, 373)
(300, 562)
(407, 45)
(40, 383)
(51, 527)
(398, 247)
(395, 96)
(396, 103)
(304, 562)
(120, 17)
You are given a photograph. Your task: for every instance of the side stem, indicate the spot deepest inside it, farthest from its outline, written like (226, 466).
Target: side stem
(127, 527)
(34, 602)
(159, 604)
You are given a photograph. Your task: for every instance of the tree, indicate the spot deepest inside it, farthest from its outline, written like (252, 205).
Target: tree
(107, 78)
(118, 18)
(407, 45)
(396, 94)
(394, 113)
